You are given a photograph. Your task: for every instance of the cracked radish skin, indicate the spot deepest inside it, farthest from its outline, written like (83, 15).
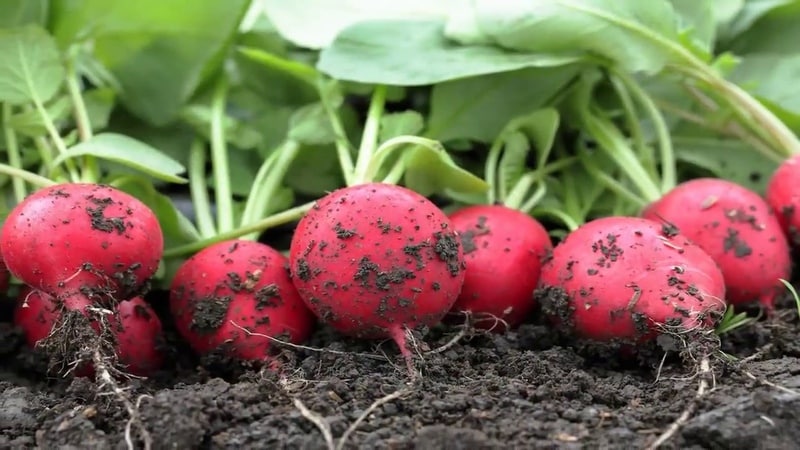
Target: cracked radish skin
(504, 249)
(737, 228)
(233, 285)
(627, 279)
(374, 260)
(82, 239)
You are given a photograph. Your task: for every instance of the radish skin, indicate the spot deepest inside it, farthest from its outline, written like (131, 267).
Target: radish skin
(504, 249)
(376, 260)
(82, 239)
(737, 228)
(624, 279)
(783, 196)
(233, 285)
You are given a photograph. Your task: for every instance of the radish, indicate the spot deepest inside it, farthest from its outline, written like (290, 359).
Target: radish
(82, 239)
(737, 228)
(783, 196)
(376, 260)
(134, 325)
(504, 249)
(233, 286)
(626, 279)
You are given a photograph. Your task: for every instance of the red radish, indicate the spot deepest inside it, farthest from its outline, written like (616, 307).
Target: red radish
(233, 285)
(783, 196)
(375, 260)
(737, 228)
(504, 249)
(82, 239)
(134, 324)
(625, 278)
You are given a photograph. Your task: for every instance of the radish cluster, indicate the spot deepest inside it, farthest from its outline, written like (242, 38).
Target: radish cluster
(88, 249)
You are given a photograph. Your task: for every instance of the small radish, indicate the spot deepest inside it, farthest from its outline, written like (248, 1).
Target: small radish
(783, 196)
(82, 239)
(233, 286)
(625, 279)
(737, 228)
(376, 260)
(134, 325)
(504, 249)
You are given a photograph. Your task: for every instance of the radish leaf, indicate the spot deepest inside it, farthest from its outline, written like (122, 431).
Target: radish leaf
(459, 108)
(637, 35)
(414, 53)
(128, 152)
(30, 65)
(430, 169)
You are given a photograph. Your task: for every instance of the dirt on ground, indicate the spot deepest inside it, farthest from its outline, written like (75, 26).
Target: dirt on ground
(526, 389)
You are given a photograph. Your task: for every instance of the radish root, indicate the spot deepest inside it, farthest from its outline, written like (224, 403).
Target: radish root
(702, 388)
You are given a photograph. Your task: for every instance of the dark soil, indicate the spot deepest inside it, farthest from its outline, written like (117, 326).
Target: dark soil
(526, 389)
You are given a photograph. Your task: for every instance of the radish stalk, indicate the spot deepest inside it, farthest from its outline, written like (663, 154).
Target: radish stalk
(14, 158)
(219, 159)
(198, 189)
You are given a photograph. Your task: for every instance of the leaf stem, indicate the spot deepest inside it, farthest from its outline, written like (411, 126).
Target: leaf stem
(91, 171)
(61, 146)
(30, 177)
(491, 168)
(274, 220)
(612, 142)
(268, 179)
(380, 155)
(14, 157)
(369, 137)
(667, 153)
(219, 158)
(198, 189)
(518, 195)
(343, 145)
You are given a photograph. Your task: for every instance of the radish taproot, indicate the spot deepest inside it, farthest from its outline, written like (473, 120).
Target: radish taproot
(783, 196)
(135, 327)
(737, 228)
(377, 260)
(82, 239)
(504, 249)
(233, 286)
(626, 279)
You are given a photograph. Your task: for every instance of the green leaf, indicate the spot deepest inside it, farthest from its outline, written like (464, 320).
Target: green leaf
(30, 65)
(772, 77)
(750, 12)
(315, 23)
(128, 152)
(237, 132)
(729, 159)
(276, 78)
(479, 107)
(767, 26)
(430, 169)
(315, 171)
(310, 125)
(23, 12)
(413, 53)
(399, 124)
(698, 20)
(513, 162)
(99, 103)
(159, 52)
(637, 35)
(30, 122)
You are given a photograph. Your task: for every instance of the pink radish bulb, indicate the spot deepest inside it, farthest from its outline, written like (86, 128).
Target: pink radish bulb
(504, 249)
(374, 260)
(737, 228)
(626, 279)
(783, 196)
(79, 239)
(135, 326)
(233, 286)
